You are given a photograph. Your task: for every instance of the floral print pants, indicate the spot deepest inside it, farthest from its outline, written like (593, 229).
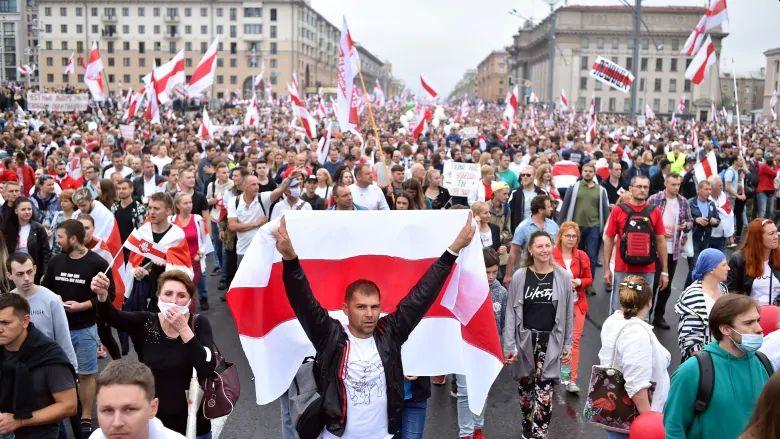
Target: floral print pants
(536, 394)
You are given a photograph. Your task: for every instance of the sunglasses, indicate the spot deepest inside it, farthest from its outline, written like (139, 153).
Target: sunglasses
(526, 175)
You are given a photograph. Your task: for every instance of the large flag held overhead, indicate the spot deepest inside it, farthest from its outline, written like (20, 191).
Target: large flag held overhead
(716, 14)
(71, 67)
(379, 94)
(348, 67)
(205, 129)
(458, 333)
(706, 166)
(428, 89)
(27, 69)
(704, 58)
(694, 40)
(93, 75)
(203, 76)
(508, 118)
(168, 76)
(300, 110)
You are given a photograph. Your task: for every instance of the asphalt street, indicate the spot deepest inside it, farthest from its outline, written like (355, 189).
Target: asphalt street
(502, 414)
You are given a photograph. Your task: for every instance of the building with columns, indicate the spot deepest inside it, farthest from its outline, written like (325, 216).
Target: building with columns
(284, 36)
(581, 33)
(771, 79)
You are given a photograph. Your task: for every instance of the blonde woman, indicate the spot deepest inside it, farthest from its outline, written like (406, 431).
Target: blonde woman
(543, 179)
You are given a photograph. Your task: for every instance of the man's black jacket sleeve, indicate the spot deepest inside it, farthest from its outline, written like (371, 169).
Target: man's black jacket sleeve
(314, 319)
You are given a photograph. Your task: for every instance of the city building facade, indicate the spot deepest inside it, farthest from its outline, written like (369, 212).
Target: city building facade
(750, 87)
(582, 33)
(772, 79)
(466, 86)
(281, 36)
(19, 28)
(493, 76)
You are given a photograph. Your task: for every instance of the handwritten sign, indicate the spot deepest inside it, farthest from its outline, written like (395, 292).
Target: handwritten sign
(460, 178)
(57, 101)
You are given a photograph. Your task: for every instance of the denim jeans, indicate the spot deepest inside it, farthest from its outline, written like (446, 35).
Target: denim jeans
(590, 241)
(288, 431)
(200, 281)
(412, 420)
(765, 205)
(617, 279)
(467, 420)
(219, 256)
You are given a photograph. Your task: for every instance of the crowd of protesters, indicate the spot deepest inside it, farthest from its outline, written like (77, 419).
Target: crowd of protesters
(548, 202)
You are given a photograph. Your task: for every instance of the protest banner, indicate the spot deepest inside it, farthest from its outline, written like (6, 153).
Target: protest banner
(612, 74)
(469, 132)
(57, 101)
(459, 178)
(127, 131)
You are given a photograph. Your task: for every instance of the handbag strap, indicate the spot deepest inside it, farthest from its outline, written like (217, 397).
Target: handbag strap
(614, 348)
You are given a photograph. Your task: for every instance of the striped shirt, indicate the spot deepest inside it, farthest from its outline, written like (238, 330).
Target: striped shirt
(693, 330)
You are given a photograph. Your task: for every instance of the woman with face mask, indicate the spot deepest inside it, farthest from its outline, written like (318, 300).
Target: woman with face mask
(174, 342)
(198, 243)
(695, 303)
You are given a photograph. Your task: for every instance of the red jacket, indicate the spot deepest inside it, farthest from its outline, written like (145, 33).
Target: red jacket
(28, 177)
(766, 177)
(580, 269)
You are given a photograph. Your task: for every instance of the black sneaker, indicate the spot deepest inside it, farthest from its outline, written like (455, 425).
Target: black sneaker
(85, 429)
(661, 323)
(204, 305)
(222, 285)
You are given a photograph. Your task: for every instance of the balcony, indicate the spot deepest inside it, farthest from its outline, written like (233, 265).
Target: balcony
(109, 35)
(171, 18)
(109, 18)
(172, 36)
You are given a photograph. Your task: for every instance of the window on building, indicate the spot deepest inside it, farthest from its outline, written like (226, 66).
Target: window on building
(65, 78)
(187, 29)
(111, 61)
(220, 62)
(47, 28)
(64, 61)
(672, 86)
(80, 46)
(672, 106)
(612, 105)
(272, 63)
(125, 12)
(64, 45)
(141, 29)
(64, 29)
(94, 28)
(273, 31)
(777, 66)
(656, 105)
(125, 62)
(157, 48)
(599, 43)
(125, 45)
(273, 14)
(598, 85)
(272, 48)
(233, 31)
(253, 12)
(643, 64)
(274, 78)
(583, 83)
(233, 62)
(109, 12)
(597, 104)
(204, 12)
(219, 12)
(47, 12)
(141, 12)
(79, 28)
(49, 61)
(584, 42)
(580, 103)
(172, 47)
(233, 80)
(50, 78)
(659, 64)
(204, 29)
(188, 12)
(673, 65)
(141, 62)
(220, 79)
(657, 84)
(188, 46)
(171, 12)
(110, 78)
(675, 45)
(583, 63)
(203, 47)
(233, 14)
(110, 47)
(93, 12)
(63, 12)
(125, 29)
(641, 106)
(645, 43)
(253, 29)
(126, 79)
(629, 63)
(687, 86)
(220, 29)
(615, 43)
(627, 105)
(156, 12)
(233, 48)
(157, 29)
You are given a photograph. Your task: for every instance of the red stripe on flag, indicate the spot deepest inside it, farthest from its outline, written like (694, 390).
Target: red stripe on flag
(258, 310)
(150, 248)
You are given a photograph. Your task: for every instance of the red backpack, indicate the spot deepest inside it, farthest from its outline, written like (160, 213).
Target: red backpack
(637, 242)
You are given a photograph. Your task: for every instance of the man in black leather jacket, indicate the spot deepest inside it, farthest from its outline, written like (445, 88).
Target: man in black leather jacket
(335, 348)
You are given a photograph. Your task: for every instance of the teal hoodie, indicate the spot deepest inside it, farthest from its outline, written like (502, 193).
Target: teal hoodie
(738, 383)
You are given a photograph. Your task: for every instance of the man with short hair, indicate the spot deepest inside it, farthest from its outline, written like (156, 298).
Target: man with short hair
(145, 185)
(587, 204)
(91, 178)
(506, 174)
(310, 196)
(45, 201)
(215, 194)
(265, 180)
(46, 310)
(676, 214)
(117, 165)
(705, 218)
(739, 375)
(520, 198)
(64, 179)
(724, 230)
(126, 403)
(342, 198)
(199, 203)
(615, 185)
(69, 274)
(368, 349)
(541, 211)
(37, 383)
(129, 213)
(333, 162)
(364, 192)
(291, 200)
(11, 192)
(616, 224)
(170, 185)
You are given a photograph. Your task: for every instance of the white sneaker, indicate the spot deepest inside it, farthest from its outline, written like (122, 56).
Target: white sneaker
(572, 388)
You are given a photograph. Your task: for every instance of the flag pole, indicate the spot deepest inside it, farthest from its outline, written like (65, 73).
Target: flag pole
(376, 130)
(736, 103)
(111, 264)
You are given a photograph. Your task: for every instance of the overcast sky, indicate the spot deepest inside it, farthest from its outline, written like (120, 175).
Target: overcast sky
(442, 38)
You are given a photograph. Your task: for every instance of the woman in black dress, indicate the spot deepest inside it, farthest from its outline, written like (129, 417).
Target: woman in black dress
(169, 346)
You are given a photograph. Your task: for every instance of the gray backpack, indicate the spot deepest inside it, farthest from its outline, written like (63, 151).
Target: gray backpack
(306, 402)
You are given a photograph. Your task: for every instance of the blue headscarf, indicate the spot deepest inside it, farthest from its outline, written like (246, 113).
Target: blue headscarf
(708, 260)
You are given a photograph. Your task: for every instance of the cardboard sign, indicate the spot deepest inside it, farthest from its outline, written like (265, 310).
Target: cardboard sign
(57, 102)
(469, 132)
(127, 131)
(460, 178)
(641, 121)
(612, 74)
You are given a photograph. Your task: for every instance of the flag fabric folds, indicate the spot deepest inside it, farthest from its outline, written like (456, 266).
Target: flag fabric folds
(171, 250)
(203, 76)
(93, 75)
(348, 67)
(458, 333)
(107, 230)
(704, 58)
(428, 89)
(71, 67)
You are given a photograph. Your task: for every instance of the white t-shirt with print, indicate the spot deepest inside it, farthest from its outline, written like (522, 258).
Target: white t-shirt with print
(366, 392)
(760, 290)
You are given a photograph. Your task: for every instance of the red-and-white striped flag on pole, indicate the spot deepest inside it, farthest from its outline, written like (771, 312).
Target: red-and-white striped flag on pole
(323, 147)
(716, 14)
(510, 110)
(205, 129)
(706, 166)
(27, 69)
(773, 105)
(694, 41)
(93, 75)
(252, 115)
(348, 68)
(590, 134)
(428, 89)
(420, 123)
(107, 230)
(714, 111)
(203, 76)
(379, 94)
(132, 107)
(457, 333)
(704, 58)
(564, 101)
(168, 76)
(300, 110)
(70, 69)
(649, 114)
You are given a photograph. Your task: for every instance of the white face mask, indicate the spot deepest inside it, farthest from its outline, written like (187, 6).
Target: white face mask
(165, 306)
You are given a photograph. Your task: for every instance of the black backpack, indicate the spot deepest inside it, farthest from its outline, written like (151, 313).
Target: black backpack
(707, 378)
(637, 242)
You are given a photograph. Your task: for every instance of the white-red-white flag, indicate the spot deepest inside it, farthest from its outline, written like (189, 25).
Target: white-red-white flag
(169, 76)
(704, 58)
(323, 147)
(480, 106)
(252, 115)
(348, 68)
(428, 89)
(27, 69)
(205, 129)
(107, 230)
(203, 76)
(681, 104)
(694, 41)
(379, 94)
(93, 76)
(510, 110)
(152, 111)
(714, 112)
(464, 107)
(132, 107)
(705, 167)
(564, 101)
(673, 122)
(773, 105)
(590, 134)
(456, 334)
(70, 69)
(419, 124)
(300, 110)
(716, 14)
(171, 250)
(649, 114)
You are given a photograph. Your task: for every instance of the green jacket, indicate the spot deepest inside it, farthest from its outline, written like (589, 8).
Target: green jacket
(738, 383)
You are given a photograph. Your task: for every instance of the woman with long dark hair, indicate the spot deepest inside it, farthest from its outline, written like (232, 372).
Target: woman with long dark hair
(23, 234)
(414, 190)
(538, 329)
(107, 193)
(754, 270)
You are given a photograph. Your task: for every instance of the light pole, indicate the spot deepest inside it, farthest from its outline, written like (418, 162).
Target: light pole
(551, 73)
(635, 55)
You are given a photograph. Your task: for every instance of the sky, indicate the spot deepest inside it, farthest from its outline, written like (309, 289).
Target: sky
(441, 39)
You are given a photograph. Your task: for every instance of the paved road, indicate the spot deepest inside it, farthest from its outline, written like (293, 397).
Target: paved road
(502, 410)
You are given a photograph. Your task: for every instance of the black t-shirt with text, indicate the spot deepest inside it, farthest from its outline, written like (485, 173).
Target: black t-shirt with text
(538, 307)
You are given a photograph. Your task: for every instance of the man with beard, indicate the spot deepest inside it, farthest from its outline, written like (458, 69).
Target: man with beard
(64, 179)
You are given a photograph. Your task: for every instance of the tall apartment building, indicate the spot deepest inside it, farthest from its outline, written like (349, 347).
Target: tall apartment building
(466, 86)
(493, 76)
(750, 87)
(285, 36)
(19, 34)
(581, 33)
